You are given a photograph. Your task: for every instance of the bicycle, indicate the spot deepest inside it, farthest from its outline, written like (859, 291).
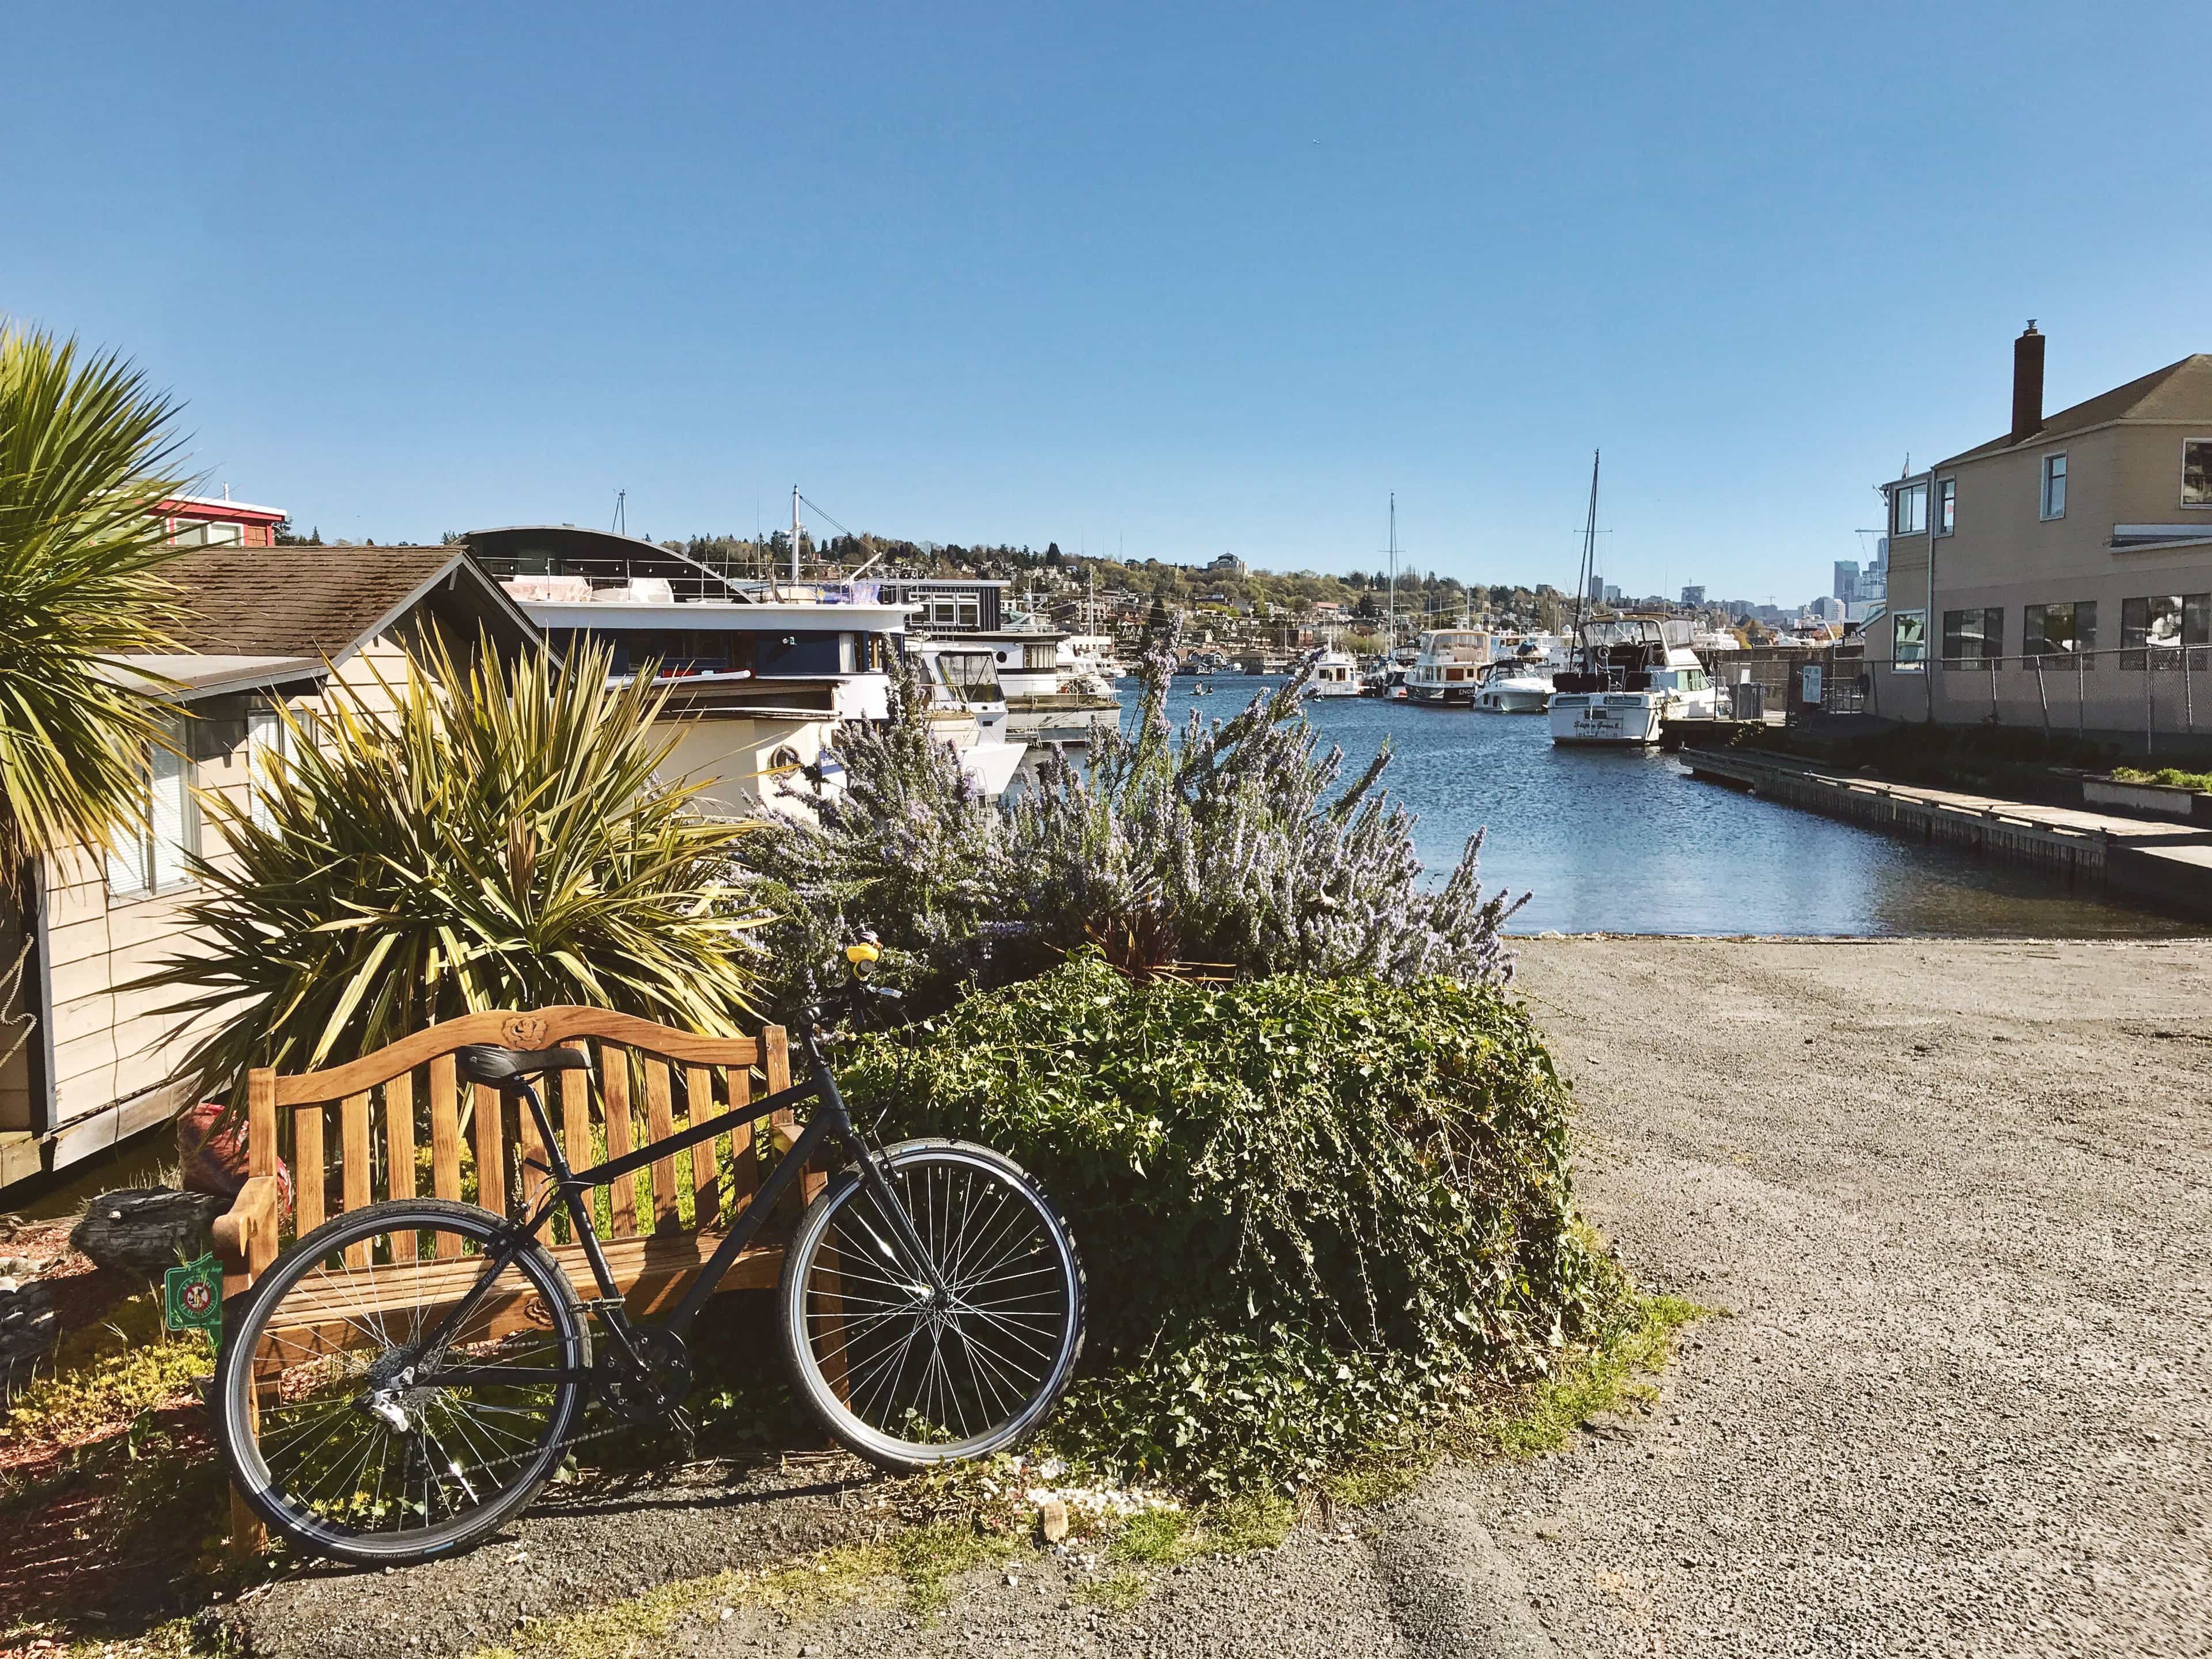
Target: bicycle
(404, 1379)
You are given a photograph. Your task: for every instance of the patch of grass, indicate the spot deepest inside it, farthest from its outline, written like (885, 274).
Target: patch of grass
(930, 1558)
(1610, 1372)
(1539, 1418)
(2173, 777)
(924, 1559)
(1120, 1592)
(1234, 1525)
(110, 1373)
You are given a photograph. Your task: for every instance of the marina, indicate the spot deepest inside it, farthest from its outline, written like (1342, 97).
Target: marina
(1625, 840)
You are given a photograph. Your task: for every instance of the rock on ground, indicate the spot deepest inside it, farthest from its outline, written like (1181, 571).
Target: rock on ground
(1954, 1202)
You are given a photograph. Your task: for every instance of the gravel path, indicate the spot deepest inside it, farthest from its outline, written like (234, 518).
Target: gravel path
(1954, 1200)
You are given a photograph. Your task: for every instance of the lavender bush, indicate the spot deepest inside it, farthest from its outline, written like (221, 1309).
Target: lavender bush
(1230, 849)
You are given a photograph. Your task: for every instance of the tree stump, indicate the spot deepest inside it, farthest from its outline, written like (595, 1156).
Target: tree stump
(28, 1331)
(146, 1229)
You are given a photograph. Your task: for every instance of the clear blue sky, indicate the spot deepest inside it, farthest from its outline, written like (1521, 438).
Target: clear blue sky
(1179, 278)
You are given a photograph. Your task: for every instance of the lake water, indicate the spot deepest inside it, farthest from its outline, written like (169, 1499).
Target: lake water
(1626, 841)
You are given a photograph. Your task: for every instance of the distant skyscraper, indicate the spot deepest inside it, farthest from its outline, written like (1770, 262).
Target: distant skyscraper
(1612, 594)
(1847, 580)
(1693, 594)
(1596, 588)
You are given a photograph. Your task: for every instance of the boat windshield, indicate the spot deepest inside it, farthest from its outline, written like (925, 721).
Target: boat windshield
(971, 676)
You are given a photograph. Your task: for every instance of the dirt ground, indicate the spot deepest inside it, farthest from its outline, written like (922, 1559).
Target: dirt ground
(1952, 1204)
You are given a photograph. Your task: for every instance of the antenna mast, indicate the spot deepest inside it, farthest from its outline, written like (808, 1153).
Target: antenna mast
(1394, 570)
(622, 523)
(794, 535)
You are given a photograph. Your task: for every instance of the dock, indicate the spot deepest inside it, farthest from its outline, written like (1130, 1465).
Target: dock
(2168, 864)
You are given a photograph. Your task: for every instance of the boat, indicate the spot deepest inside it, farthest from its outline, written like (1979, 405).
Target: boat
(1513, 686)
(1335, 674)
(1631, 674)
(1445, 672)
(968, 709)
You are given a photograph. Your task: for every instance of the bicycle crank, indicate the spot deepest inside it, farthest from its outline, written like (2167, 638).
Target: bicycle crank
(648, 1383)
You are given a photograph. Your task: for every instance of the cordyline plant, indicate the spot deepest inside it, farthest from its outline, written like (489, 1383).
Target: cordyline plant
(86, 453)
(1231, 849)
(478, 836)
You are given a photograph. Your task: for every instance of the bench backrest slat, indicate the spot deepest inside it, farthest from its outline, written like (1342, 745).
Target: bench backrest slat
(479, 1147)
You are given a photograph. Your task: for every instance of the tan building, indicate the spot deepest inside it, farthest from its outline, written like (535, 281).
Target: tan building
(85, 1061)
(2058, 574)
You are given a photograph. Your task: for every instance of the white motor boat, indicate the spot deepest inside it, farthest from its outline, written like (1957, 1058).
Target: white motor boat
(1445, 672)
(1631, 675)
(1335, 674)
(968, 709)
(1521, 684)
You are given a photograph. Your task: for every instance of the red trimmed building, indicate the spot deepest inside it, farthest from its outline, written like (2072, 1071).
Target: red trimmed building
(209, 521)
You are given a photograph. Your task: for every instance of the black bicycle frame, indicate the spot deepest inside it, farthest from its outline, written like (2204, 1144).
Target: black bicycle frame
(571, 1190)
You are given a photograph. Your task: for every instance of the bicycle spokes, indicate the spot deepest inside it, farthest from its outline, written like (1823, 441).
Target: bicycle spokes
(927, 1366)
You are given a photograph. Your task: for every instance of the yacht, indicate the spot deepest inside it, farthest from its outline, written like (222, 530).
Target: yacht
(1631, 674)
(1445, 672)
(968, 709)
(1335, 674)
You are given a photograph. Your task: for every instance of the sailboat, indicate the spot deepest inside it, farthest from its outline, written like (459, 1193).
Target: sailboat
(1631, 674)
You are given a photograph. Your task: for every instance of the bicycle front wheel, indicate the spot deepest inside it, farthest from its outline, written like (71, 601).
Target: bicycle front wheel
(401, 1382)
(905, 1376)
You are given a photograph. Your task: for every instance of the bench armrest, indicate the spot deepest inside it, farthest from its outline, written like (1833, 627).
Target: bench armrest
(246, 1234)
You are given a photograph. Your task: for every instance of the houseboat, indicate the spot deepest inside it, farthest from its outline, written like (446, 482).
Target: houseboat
(1335, 674)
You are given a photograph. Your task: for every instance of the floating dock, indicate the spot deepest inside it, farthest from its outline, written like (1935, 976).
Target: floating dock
(2167, 864)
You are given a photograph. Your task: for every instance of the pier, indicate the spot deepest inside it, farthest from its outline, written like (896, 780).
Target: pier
(2168, 863)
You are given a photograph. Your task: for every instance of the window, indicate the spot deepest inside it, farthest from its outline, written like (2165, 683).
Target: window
(2154, 629)
(1973, 637)
(2054, 485)
(150, 857)
(1909, 639)
(1036, 656)
(2059, 630)
(1908, 509)
(268, 748)
(2197, 472)
(1946, 506)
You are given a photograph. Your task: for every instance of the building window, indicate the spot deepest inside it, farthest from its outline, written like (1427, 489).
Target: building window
(2054, 485)
(1946, 506)
(2154, 629)
(1908, 509)
(2197, 472)
(1036, 657)
(1909, 639)
(268, 749)
(1973, 637)
(150, 858)
(2059, 630)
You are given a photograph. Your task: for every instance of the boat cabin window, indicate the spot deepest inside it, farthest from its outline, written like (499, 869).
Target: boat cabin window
(683, 651)
(971, 676)
(955, 613)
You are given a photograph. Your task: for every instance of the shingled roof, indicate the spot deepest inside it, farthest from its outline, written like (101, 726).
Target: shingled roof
(2179, 392)
(327, 602)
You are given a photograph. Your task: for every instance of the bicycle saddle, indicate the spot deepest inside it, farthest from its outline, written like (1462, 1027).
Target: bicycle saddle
(483, 1062)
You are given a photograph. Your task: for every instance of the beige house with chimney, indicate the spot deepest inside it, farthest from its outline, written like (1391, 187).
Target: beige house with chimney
(2060, 574)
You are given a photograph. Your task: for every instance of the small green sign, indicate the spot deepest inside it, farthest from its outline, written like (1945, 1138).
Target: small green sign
(191, 1298)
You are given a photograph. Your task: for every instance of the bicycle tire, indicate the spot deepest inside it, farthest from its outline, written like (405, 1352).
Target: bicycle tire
(258, 1330)
(836, 1381)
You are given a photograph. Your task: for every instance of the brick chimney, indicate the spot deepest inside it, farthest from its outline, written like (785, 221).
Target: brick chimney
(2027, 385)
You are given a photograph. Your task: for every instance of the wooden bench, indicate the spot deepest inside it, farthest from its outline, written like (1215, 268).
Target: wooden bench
(354, 1134)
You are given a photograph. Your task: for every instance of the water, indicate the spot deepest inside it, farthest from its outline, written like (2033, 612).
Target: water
(1627, 841)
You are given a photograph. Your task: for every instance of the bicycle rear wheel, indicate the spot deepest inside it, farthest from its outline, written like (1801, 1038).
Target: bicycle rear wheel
(902, 1376)
(362, 1420)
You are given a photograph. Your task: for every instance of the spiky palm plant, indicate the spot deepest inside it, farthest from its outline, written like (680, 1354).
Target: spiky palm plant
(86, 453)
(471, 836)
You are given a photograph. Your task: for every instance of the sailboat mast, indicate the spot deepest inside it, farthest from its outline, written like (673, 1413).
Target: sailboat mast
(1590, 552)
(1394, 570)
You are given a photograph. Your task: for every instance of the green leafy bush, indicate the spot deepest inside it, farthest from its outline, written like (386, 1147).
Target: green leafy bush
(1310, 1209)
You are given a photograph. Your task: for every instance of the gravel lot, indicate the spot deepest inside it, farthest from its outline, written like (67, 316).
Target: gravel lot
(1954, 1200)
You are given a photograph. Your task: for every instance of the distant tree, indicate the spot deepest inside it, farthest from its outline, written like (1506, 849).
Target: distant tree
(1052, 554)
